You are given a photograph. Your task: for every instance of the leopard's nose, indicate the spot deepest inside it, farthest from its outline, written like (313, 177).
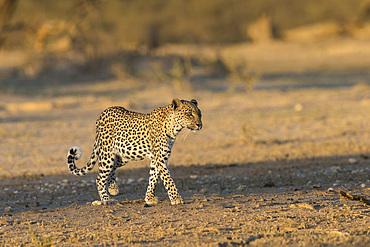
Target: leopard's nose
(199, 125)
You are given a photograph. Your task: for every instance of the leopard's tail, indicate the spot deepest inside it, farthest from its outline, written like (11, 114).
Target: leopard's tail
(75, 153)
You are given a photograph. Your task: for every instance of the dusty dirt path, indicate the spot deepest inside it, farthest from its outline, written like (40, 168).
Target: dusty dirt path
(272, 203)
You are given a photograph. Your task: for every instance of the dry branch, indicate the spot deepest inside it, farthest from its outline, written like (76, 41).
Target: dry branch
(361, 199)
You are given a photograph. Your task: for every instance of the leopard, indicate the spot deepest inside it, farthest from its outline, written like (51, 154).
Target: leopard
(123, 135)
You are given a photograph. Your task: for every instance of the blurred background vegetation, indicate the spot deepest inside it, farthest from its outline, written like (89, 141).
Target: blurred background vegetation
(113, 36)
(130, 23)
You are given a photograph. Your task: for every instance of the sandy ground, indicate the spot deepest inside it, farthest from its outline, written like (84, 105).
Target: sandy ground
(258, 204)
(265, 170)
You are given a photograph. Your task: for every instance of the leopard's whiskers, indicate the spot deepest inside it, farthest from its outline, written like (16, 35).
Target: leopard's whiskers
(183, 141)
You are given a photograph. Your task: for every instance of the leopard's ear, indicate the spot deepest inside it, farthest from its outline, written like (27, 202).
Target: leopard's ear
(194, 102)
(176, 103)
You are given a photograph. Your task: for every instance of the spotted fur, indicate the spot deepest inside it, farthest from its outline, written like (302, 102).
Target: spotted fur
(123, 136)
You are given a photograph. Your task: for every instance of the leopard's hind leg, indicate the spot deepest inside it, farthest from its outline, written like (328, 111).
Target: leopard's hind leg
(105, 173)
(150, 198)
(112, 183)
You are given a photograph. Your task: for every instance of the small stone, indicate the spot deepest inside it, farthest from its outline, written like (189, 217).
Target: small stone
(235, 209)
(352, 160)
(193, 176)
(357, 171)
(335, 169)
(269, 184)
(241, 188)
(130, 181)
(302, 205)
(96, 203)
(363, 185)
(330, 190)
(8, 209)
(335, 184)
(203, 191)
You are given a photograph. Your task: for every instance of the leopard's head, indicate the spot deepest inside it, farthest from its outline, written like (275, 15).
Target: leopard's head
(187, 114)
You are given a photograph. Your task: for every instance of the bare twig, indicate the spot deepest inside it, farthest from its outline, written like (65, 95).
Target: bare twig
(361, 199)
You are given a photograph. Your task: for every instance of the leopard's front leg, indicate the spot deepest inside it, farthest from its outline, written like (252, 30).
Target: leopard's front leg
(168, 182)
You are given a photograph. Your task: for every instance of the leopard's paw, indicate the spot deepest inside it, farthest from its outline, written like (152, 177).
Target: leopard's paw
(113, 189)
(177, 201)
(109, 202)
(96, 203)
(152, 200)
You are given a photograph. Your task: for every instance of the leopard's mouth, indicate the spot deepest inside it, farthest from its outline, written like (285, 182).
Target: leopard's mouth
(195, 128)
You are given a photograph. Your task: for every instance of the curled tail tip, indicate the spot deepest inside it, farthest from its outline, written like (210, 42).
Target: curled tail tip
(76, 152)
